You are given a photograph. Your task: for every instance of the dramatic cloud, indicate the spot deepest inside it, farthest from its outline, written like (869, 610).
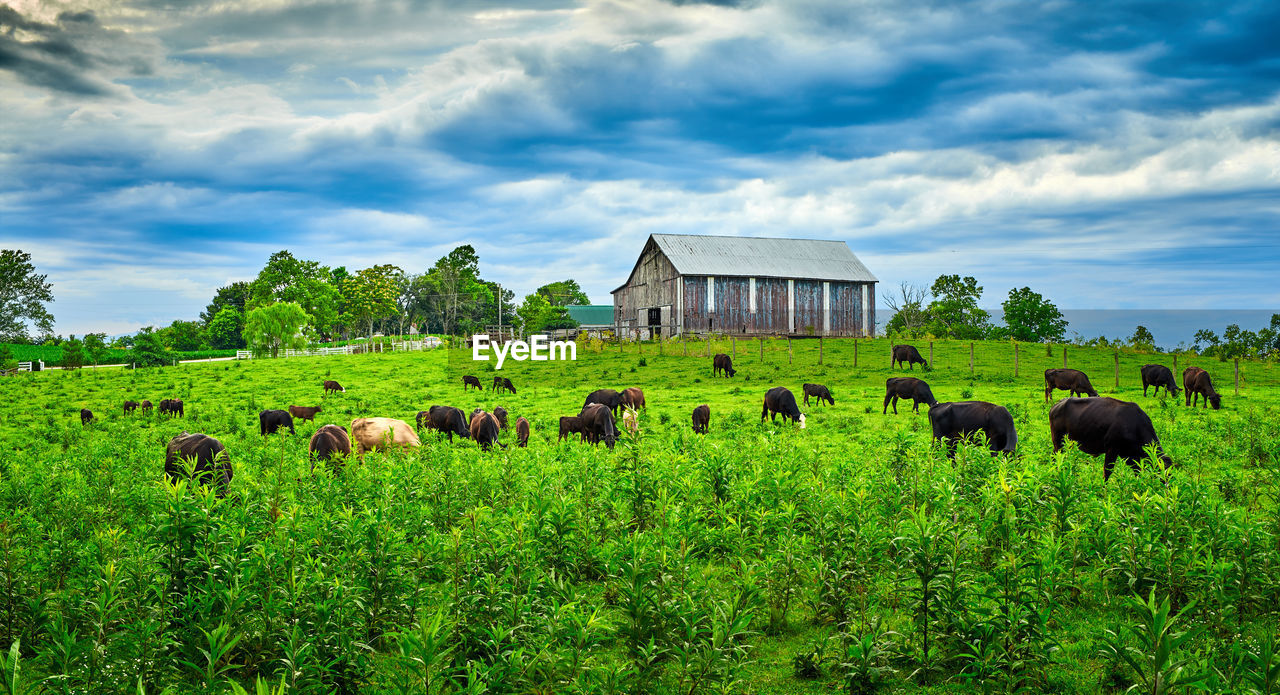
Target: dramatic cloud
(1114, 156)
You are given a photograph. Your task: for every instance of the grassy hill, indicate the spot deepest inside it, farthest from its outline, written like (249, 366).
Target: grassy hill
(848, 555)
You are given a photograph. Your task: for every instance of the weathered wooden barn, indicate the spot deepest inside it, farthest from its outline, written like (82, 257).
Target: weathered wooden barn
(746, 285)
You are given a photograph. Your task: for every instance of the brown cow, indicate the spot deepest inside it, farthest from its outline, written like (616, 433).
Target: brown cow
(722, 363)
(701, 418)
(333, 386)
(1073, 380)
(570, 424)
(469, 380)
(130, 406)
(818, 391)
(905, 387)
(954, 421)
(170, 406)
(86, 416)
(329, 443)
(500, 414)
(779, 399)
(484, 429)
(632, 398)
(907, 354)
(1158, 375)
(373, 433)
(202, 457)
(1197, 383)
(1105, 426)
(146, 405)
(598, 425)
(303, 412)
(503, 384)
(522, 432)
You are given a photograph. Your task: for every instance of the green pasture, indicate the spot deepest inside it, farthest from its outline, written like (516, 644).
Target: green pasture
(850, 556)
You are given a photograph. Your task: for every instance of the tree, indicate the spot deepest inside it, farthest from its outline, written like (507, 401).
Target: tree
(1208, 337)
(224, 331)
(563, 293)
(234, 295)
(954, 311)
(72, 353)
(1032, 318)
(1142, 339)
(184, 336)
(148, 351)
(305, 283)
(370, 295)
(23, 295)
(95, 347)
(909, 314)
(269, 328)
(539, 314)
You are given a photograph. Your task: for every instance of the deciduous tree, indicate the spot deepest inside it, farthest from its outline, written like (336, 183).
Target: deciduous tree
(370, 295)
(1032, 318)
(23, 294)
(226, 329)
(270, 328)
(954, 311)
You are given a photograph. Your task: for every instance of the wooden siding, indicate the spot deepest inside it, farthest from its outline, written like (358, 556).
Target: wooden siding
(771, 306)
(732, 310)
(652, 284)
(808, 307)
(696, 316)
(846, 308)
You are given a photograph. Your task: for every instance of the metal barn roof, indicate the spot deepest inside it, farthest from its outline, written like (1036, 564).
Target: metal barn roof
(763, 257)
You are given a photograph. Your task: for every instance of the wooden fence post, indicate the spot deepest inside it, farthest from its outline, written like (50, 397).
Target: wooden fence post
(1015, 360)
(1175, 366)
(684, 340)
(970, 360)
(734, 343)
(789, 357)
(930, 354)
(855, 352)
(1117, 356)
(761, 348)
(819, 349)
(1237, 376)
(708, 345)
(1064, 356)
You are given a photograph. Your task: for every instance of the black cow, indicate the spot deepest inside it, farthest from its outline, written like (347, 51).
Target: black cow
(86, 416)
(632, 398)
(130, 406)
(146, 405)
(469, 380)
(607, 397)
(701, 418)
(819, 392)
(522, 432)
(446, 419)
(905, 387)
(1197, 383)
(597, 424)
(271, 421)
(501, 414)
(304, 412)
(906, 354)
(333, 386)
(329, 443)
(212, 465)
(780, 400)
(503, 383)
(484, 429)
(172, 406)
(954, 421)
(1158, 375)
(722, 363)
(1073, 380)
(1105, 426)
(570, 424)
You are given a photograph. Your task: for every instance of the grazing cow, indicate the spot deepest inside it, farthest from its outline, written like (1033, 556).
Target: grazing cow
(501, 414)
(503, 383)
(607, 397)
(780, 400)
(631, 420)
(86, 416)
(130, 406)
(570, 424)
(701, 418)
(205, 457)
(271, 421)
(632, 398)
(1073, 380)
(446, 419)
(172, 406)
(1105, 426)
(303, 412)
(373, 433)
(484, 429)
(333, 386)
(469, 380)
(819, 392)
(1158, 375)
(329, 443)
(954, 421)
(906, 354)
(146, 405)
(722, 363)
(598, 425)
(1197, 383)
(522, 432)
(905, 387)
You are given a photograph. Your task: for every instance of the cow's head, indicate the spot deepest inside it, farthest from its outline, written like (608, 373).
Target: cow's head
(1216, 401)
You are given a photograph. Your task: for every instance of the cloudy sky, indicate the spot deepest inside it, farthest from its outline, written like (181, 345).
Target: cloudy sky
(1110, 155)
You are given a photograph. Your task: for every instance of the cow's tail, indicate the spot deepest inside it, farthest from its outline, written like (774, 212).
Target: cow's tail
(1011, 442)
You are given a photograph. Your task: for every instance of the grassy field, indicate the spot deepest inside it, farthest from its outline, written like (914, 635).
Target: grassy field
(850, 556)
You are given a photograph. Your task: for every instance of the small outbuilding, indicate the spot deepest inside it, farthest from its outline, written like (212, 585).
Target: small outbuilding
(746, 286)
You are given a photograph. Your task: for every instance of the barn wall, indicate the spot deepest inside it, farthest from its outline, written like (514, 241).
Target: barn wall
(846, 308)
(652, 284)
(808, 307)
(771, 306)
(732, 304)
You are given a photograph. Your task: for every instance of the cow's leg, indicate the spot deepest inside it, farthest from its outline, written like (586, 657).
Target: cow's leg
(1133, 463)
(895, 404)
(806, 400)
(887, 396)
(763, 412)
(1107, 464)
(1058, 436)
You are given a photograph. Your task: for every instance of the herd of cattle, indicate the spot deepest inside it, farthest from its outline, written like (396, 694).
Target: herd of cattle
(1100, 426)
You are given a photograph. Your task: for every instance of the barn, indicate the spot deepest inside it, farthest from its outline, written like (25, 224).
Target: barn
(746, 286)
